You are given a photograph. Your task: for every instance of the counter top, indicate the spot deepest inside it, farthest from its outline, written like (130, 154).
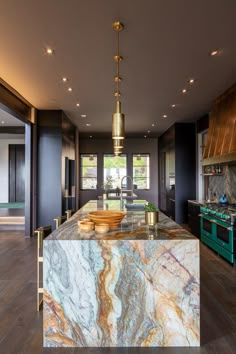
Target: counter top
(132, 227)
(200, 202)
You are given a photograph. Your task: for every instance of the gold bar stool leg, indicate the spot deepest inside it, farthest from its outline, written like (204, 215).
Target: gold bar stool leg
(69, 213)
(59, 220)
(41, 232)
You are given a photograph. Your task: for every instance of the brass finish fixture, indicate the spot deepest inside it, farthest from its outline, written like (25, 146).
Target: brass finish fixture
(41, 232)
(151, 217)
(117, 26)
(118, 143)
(69, 213)
(59, 220)
(118, 118)
(118, 149)
(117, 78)
(118, 58)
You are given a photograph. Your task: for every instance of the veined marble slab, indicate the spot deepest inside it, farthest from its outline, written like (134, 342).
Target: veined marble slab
(134, 286)
(121, 293)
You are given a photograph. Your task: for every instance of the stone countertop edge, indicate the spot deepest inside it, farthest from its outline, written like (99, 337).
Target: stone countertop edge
(132, 227)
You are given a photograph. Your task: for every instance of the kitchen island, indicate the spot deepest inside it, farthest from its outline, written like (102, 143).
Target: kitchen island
(133, 286)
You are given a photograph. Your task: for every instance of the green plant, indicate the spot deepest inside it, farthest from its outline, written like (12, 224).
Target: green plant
(108, 183)
(150, 207)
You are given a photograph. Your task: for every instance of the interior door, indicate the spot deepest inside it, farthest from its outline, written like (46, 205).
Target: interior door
(16, 173)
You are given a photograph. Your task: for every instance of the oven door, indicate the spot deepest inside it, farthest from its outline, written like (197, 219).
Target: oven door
(225, 236)
(206, 226)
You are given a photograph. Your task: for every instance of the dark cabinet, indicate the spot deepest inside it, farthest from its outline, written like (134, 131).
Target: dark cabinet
(56, 165)
(194, 218)
(177, 170)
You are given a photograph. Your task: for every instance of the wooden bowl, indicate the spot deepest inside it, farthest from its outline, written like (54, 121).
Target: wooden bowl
(87, 226)
(102, 228)
(83, 220)
(111, 217)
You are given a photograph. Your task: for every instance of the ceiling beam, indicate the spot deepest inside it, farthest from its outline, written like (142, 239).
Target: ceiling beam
(12, 130)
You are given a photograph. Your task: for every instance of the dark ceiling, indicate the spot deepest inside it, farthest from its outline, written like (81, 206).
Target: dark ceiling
(164, 44)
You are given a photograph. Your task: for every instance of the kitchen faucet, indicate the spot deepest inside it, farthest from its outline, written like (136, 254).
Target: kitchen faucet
(126, 190)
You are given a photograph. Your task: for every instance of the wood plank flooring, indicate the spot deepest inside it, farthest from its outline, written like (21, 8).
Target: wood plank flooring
(21, 325)
(11, 212)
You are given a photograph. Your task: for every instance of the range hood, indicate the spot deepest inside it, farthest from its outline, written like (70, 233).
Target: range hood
(221, 139)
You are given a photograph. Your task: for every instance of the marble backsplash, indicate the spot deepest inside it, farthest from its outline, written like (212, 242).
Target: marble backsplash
(225, 183)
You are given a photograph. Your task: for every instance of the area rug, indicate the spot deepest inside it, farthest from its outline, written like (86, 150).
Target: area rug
(16, 205)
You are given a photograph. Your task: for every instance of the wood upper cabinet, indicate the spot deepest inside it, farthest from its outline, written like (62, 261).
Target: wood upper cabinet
(222, 127)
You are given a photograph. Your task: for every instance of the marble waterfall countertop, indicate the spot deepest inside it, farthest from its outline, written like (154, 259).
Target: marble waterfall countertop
(132, 287)
(132, 227)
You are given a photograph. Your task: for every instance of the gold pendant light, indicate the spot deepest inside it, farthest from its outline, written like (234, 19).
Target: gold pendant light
(118, 123)
(118, 143)
(118, 118)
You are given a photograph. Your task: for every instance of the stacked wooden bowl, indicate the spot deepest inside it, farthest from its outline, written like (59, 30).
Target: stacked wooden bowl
(111, 217)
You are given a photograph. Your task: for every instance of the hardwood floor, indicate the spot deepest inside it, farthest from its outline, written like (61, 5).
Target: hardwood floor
(11, 212)
(21, 325)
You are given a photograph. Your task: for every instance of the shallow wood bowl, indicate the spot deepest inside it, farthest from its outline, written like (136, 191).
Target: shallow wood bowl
(111, 217)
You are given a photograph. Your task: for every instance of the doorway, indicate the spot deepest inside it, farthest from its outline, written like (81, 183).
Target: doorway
(12, 172)
(13, 104)
(16, 173)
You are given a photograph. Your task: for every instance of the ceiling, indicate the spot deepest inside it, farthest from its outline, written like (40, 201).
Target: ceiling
(7, 120)
(164, 44)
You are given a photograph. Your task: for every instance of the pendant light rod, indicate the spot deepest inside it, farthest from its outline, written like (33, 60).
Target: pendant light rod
(118, 118)
(118, 65)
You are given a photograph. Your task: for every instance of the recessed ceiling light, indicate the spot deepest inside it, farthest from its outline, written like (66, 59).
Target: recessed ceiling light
(77, 104)
(184, 90)
(173, 105)
(64, 79)
(191, 81)
(83, 115)
(145, 136)
(88, 124)
(148, 131)
(3, 122)
(91, 136)
(153, 125)
(164, 116)
(70, 89)
(214, 52)
(49, 51)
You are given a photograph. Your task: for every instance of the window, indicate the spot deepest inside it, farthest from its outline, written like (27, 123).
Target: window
(141, 171)
(114, 168)
(88, 171)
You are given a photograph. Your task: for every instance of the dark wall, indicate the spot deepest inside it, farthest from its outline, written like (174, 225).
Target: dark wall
(185, 168)
(55, 143)
(132, 146)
